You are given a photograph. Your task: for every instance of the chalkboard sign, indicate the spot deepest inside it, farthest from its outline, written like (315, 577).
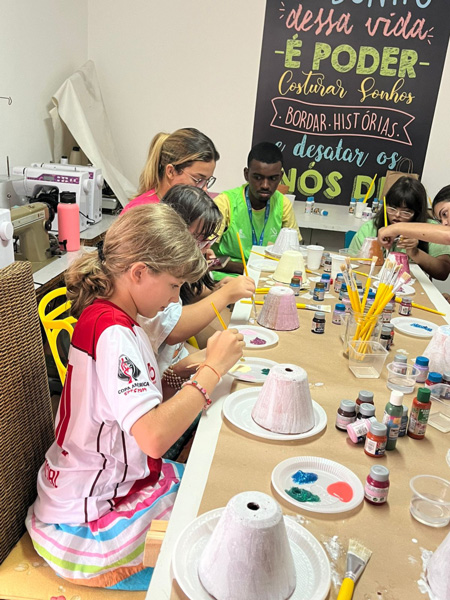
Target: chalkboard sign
(347, 88)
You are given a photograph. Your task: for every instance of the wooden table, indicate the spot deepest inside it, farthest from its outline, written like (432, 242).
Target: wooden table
(225, 461)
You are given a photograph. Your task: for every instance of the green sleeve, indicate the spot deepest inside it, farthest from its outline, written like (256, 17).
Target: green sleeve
(366, 230)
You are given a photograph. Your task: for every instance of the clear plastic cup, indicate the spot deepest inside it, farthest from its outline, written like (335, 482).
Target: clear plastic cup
(430, 502)
(314, 256)
(401, 377)
(366, 359)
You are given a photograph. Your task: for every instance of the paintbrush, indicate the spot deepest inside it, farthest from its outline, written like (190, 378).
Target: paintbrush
(325, 308)
(357, 558)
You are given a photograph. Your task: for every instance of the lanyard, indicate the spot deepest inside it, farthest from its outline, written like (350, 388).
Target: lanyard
(250, 213)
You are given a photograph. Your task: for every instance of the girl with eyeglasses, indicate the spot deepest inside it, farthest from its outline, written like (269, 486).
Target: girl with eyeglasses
(430, 232)
(186, 156)
(406, 203)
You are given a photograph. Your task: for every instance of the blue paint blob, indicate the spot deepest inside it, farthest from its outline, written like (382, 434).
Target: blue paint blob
(301, 477)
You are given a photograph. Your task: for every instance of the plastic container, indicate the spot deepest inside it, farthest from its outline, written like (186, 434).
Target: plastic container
(366, 359)
(355, 322)
(430, 501)
(68, 223)
(402, 380)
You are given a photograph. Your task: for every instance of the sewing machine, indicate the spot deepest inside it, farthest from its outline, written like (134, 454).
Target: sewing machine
(33, 243)
(36, 179)
(6, 238)
(94, 197)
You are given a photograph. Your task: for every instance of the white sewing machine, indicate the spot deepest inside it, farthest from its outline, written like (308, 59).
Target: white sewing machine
(37, 178)
(94, 199)
(6, 238)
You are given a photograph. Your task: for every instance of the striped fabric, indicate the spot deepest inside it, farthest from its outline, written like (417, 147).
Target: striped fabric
(108, 552)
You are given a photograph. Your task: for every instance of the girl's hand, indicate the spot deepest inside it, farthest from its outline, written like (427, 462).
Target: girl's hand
(224, 349)
(188, 365)
(386, 236)
(407, 244)
(209, 254)
(238, 287)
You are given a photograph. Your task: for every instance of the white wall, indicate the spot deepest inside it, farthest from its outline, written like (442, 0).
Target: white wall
(164, 65)
(42, 42)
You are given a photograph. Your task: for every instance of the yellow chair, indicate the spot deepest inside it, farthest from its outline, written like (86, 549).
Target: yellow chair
(53, 326)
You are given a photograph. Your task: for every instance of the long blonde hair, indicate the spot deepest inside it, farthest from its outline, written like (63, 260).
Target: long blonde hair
(179, 149)
(152, 233)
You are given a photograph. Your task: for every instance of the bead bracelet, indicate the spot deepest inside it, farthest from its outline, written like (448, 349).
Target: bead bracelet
(201, 390)
(172, 379)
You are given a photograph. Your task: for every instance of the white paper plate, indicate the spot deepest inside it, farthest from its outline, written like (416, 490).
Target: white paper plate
(328, 472)
(250, 332)
(312, 566)
(237, 408)
(415, 327)
(405, 290)
(251, 369)
(264, 264)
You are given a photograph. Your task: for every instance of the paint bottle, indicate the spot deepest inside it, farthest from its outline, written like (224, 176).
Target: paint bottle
(327, 264)
(386, 315)
(420, 411)
(376, 439)
(364, 396)
(346, 414)
(366, 411)
(325, 279)
(318, 322)
(338, 281)
(400, 364)
(405, 307)
(392, 418)
(338, 313)
(370, 299)
(421, 364)
(309, 205)
(358, 430)
(295, 285)
(375, 205)
(347, 303)
(319, 292)
(385, 337)
(404, 422)
(376, 488)
(299, 275)
(64, 160)
(343, 290)
(391, 329)
(351, 206)
(445, 391)
(432, 379)
(366, 213)
(322, 260)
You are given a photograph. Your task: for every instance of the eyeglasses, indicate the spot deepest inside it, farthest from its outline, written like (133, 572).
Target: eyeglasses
(200, 183)
(405, 214)
(203, 244)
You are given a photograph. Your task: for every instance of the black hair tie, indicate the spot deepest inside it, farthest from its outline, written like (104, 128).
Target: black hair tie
(101, 256)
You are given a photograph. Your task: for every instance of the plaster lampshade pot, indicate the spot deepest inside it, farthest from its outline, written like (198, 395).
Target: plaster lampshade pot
(438, 573)
(371, 247)
(279, 311)
(284, 403)
(290, 261)
(287, 240)
(400, 258)
(438, 350)
(248, 554)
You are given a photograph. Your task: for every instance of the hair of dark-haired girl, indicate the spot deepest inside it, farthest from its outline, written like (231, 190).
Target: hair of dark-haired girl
(443, 195)
(407, 193)
(193, 203)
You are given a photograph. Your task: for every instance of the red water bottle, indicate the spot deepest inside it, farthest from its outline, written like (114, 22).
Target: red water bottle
(68, 222)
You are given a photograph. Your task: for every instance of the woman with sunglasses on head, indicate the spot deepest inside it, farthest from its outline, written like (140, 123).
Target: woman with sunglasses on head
(429, 232)
(406, 202)
(186, 156)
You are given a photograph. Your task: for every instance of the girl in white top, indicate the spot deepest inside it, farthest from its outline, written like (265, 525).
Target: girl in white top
(103, 480)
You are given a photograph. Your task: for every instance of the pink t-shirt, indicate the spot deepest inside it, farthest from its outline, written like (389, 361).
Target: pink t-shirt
(112, 380)
(149, 197)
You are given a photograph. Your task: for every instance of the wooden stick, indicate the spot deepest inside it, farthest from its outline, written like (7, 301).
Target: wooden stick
(370, 188)
(242, 253)
(222, 322)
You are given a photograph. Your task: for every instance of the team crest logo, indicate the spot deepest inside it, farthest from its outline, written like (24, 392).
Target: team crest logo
(127, 369)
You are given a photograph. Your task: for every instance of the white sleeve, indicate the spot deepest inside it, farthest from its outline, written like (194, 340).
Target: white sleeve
(128, 375)
(159, 328)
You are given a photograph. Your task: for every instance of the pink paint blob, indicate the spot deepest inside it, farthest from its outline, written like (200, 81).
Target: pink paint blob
(341, 490)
